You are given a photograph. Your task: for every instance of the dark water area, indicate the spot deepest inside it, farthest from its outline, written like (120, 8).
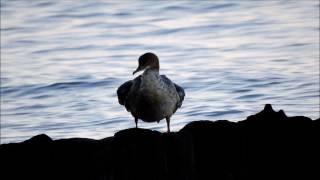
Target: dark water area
(62, 62)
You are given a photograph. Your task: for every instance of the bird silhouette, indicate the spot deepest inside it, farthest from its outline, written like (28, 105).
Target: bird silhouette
(150, 97)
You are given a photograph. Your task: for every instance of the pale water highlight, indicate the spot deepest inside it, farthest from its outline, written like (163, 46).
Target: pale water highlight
(62, 61)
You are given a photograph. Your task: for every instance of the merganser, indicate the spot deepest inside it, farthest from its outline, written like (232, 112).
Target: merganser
(150, 97)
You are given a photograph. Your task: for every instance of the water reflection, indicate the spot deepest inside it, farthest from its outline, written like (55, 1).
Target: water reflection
(62, 62)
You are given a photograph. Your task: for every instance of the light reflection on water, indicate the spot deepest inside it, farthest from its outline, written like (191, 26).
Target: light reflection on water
(61, 62)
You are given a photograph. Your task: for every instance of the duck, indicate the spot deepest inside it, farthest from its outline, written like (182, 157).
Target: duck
(150, 97)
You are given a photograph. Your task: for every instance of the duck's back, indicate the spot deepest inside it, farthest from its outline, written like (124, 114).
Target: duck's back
(151, 97)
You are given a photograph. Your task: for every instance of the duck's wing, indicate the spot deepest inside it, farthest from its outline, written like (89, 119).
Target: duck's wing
(127, 93)
(181, 94)
(123, 91)
(178, 89)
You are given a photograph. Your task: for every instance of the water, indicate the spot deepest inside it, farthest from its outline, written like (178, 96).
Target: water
(62, 62)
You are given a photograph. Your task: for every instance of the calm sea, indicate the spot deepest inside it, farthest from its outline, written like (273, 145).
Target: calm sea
(62, 61)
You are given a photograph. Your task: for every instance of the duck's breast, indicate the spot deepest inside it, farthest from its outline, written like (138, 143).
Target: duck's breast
(154, 99)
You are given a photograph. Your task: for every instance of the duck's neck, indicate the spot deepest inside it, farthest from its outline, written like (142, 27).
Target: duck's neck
(150, 79)
(152, 71)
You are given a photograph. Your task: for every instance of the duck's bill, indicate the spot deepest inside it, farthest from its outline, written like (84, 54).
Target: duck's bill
(137, 70)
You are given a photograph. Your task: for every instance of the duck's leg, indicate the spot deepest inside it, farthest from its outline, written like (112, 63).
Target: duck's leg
(136, 121)
(168, 124)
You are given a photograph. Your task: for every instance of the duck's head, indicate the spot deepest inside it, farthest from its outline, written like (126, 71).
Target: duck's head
(148, 61)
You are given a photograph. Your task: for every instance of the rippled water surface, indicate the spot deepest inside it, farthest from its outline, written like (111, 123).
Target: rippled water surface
(62, 61)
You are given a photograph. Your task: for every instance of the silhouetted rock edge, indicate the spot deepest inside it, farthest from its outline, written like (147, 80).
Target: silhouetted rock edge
(267, 145)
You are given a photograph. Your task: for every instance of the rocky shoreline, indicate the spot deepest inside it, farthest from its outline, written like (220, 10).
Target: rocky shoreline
(267, 145)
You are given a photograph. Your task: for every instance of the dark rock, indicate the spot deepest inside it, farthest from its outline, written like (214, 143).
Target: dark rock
(39, 139)
(267, 145)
